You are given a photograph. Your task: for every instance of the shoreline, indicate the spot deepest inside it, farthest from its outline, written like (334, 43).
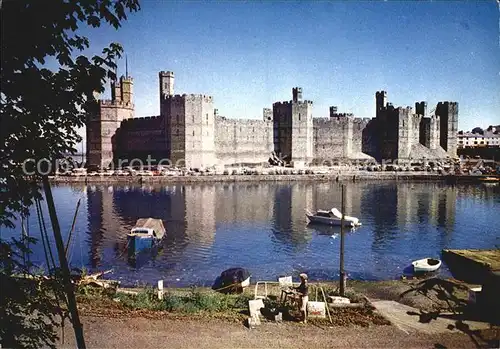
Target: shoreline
(346, 176)
(351, 176)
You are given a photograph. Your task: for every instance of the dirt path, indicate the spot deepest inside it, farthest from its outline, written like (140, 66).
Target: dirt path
(148, 333)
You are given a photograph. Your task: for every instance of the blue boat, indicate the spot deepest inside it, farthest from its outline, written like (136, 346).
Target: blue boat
(146, 233)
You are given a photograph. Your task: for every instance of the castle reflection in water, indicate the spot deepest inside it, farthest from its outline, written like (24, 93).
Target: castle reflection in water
(193, 213)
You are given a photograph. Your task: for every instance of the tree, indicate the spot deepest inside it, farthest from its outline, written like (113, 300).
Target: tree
(41, 109)
(40, 112)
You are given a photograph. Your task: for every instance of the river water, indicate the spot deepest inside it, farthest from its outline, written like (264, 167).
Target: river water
(262, 227)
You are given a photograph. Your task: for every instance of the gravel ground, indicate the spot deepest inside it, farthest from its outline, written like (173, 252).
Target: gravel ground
(147, 333)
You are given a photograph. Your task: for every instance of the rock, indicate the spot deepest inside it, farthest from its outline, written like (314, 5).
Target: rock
(339, 300)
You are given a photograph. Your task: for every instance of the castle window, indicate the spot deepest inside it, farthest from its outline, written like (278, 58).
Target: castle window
(193, 132)
(177, 118)
(193, 120)
(299, 116)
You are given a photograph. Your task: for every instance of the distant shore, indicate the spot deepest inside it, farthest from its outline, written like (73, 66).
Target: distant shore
(205, 178)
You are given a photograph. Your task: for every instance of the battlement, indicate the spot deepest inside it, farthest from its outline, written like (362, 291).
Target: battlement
(141, 124)
(167, 73)
(405, 111)
(288, 103)
(240, 122)
(126, 79)
(141, 119)
(341, 115)
(329, 121)
(115, 104)
(451, 104)
(189, 97)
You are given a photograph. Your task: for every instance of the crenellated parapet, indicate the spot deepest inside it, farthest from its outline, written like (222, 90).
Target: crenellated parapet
(147, 122)
(319, 122)
(289, 103)
(108, 103)
(189, 97)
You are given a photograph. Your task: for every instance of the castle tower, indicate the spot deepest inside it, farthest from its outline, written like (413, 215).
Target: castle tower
(166, 83)
(448, 114)
(333, 111)
(293, 129)
(434, 132)
(380, 102)
(101, 127)
(190, 129)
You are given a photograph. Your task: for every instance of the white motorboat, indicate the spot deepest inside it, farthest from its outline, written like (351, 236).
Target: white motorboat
(426, 265)
(332, 217)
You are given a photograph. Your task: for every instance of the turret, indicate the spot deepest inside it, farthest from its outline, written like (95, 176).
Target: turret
(297, 94)
(421, 108)
(333, 111)
(166, 83)
(127, 93)
(116, 93)
(380, 101)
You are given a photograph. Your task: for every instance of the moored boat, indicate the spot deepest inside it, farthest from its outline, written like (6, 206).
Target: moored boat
(332, 217)
(490, 180)
(145, 234)
(426, 265)
(231, 280)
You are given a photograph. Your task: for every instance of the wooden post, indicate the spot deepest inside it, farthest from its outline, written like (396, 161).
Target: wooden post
(63, 264)
(342, 272)
(160, 289)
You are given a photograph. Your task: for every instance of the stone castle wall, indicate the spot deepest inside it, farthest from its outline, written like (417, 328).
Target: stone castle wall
(191, 134)
(244, 141)
(139, 137)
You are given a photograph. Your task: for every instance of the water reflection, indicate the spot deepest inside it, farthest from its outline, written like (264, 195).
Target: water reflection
(262, 226)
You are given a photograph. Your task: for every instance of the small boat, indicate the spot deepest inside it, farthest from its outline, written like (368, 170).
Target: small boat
(332, 217)
(145, 234)
(426, 265)
(231, 280)
(490, 180)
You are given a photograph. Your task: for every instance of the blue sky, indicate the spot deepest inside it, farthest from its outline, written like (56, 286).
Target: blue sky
(248, 55)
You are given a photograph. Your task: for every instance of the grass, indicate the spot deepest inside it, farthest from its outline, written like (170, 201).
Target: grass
(191, 302)
(206, 303)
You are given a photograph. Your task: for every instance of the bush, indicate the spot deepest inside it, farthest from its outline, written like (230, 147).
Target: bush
(195, 301)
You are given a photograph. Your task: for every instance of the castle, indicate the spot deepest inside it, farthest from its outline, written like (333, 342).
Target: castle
(190, 132)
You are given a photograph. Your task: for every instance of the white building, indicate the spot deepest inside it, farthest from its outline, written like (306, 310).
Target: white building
(477, 140)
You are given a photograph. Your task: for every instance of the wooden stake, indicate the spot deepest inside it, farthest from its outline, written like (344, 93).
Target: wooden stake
(326, 305)
(160, 289)
(63, 263)
(342, 272)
